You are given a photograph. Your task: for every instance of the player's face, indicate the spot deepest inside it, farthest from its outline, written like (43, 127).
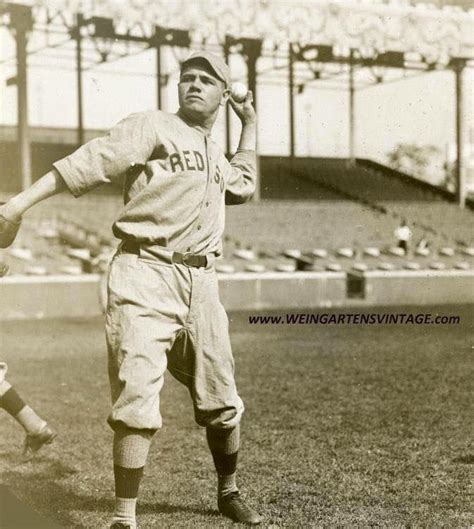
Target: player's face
(200, 91)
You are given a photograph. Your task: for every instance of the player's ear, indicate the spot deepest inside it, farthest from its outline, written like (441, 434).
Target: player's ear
(225, 96)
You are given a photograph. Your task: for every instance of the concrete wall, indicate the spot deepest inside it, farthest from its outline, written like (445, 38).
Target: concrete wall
(246, 291)
(419, 287)
(67, 296)
(49, 297)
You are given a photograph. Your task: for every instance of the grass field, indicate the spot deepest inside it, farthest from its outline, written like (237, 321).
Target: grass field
(346, 426)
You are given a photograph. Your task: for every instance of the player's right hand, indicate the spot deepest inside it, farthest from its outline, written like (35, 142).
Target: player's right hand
(3, 269)
(8, 228)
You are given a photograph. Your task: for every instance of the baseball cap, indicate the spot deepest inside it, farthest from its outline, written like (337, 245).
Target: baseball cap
(216, 63)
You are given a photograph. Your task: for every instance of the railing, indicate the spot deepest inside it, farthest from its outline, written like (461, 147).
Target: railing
(405, 178)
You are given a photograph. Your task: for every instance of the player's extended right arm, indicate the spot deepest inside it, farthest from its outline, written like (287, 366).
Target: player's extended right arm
(99, 161)
(48, 185)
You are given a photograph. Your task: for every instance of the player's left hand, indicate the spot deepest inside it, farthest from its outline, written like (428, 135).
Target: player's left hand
(244, 110)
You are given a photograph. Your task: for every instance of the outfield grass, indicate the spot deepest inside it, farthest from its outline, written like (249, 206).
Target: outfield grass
(349, 426)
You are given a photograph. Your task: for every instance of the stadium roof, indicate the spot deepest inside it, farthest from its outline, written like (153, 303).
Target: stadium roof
(465, 4)
(401, 26)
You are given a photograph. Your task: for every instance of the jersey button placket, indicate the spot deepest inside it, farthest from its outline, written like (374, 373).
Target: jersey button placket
(201, 216)
(199, 219)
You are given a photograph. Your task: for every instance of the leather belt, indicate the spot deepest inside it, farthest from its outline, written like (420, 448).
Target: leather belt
(189, 259)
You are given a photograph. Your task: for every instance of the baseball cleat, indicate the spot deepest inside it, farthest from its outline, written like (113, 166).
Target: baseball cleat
(120, 525)
(34, 442)
(233, 506)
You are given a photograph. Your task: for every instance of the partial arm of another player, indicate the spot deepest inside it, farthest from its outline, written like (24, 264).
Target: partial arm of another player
(242, 180)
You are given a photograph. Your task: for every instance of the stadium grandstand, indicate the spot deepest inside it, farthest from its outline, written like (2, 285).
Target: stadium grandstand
(324, 210)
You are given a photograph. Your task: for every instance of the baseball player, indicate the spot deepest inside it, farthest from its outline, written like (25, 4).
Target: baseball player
(38, 433)
(163, 305)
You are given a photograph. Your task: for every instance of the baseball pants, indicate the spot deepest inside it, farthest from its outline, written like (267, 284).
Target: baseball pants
(162, 316)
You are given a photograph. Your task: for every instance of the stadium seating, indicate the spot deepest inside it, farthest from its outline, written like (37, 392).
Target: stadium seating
(333, 216)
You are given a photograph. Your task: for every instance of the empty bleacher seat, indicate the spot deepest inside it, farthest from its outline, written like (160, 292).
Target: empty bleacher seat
(345, 252)
(320, 253)
(360, 267)
(246, 255)
(412, 265)
(424, 252)
(285, 267)
(333, 267)
(292, 253)
(395, 250)
(36, 270)
(437, 265)
(224, 268)
(371, 251)
(25, 254)
(74, 270)
(254, 267)
(447, 251)
(386, 265)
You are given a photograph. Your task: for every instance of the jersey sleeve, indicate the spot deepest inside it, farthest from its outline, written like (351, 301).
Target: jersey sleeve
(104, 160)
(242, 177)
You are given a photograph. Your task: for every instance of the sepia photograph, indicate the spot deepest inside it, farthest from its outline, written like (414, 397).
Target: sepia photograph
(236, 264)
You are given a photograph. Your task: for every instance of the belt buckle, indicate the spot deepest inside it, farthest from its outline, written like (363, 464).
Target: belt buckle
(186, 256)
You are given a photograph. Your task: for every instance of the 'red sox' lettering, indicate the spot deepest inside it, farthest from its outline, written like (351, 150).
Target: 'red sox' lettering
(193, 161)
(187, 161)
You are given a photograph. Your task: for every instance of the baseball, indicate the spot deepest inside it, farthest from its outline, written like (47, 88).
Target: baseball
(239, 92)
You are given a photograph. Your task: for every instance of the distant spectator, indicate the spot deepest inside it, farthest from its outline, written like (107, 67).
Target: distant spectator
(403, 235)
